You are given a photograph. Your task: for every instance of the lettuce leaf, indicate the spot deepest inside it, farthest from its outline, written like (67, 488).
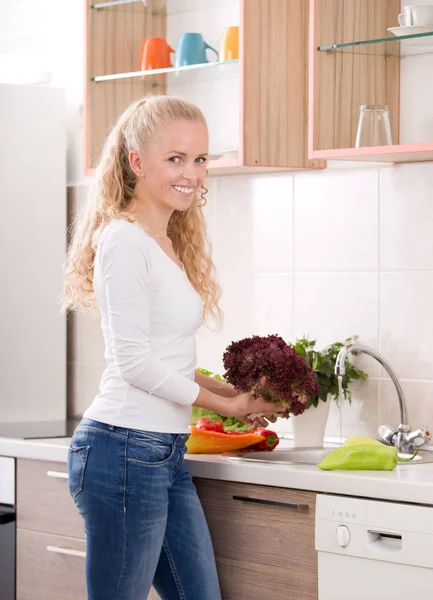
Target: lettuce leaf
(229, 423)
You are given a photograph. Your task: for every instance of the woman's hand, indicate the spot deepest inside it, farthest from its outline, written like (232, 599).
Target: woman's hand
(260, 421)
(245, 404)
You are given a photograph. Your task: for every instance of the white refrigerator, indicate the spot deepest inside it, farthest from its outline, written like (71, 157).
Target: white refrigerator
(33, 221)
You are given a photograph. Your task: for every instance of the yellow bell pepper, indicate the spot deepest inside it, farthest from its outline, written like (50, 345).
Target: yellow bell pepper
(211, 442)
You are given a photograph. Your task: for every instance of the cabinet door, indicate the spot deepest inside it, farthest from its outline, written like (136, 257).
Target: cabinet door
(263, 539)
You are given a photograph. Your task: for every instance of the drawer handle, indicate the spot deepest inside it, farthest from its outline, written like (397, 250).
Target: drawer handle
(271, 502)
(67, 551)
(57, 474)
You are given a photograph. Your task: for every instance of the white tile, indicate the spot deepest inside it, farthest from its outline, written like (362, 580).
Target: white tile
(406, 323)
(272, 310)
(406, 217)
(336, 221)
(209, 208)
(272, 206)
(331, 307)
(419, 404)
(361, 415)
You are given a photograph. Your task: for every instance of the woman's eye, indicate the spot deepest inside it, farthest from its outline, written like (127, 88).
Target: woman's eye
(201, 160)
(174, 159)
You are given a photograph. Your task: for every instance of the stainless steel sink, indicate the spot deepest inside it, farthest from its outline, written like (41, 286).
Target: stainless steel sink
(305, 456)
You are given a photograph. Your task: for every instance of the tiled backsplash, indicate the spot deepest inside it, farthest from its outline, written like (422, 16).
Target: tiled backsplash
(328, 254)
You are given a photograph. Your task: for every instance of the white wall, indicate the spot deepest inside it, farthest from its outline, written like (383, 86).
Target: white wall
(332, 254)
(44, 40)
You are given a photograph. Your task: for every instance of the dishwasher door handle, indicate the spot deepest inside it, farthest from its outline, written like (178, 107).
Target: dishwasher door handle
(271, 503)
(384, 541)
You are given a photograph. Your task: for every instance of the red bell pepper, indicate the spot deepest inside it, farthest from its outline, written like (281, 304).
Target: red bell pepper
(269, 443)
(209, 425)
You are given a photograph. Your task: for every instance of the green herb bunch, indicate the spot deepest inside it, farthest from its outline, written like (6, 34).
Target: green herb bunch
(323, 364)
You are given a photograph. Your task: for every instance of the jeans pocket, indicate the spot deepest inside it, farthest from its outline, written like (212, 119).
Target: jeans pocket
(77, 461)
(151, 452)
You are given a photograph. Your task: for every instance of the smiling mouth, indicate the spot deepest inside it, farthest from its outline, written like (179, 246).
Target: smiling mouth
(184, 191)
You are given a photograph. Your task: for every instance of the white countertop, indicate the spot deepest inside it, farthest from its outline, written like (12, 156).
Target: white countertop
(407, 483)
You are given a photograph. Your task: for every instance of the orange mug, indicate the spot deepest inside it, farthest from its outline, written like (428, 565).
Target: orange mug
(229, 45)
(154, 54)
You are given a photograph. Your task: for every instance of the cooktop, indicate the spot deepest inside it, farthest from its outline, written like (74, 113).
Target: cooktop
(39, 429)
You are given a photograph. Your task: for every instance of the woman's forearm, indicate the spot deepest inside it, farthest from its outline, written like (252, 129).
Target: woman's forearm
(221, 388)
(215, 402)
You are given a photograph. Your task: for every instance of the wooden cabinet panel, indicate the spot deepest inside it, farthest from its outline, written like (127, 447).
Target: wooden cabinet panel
(50, 575)
(43, 500)
(276, 83)
(263, 540)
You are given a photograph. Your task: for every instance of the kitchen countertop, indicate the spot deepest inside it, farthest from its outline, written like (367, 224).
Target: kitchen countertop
(407, 483)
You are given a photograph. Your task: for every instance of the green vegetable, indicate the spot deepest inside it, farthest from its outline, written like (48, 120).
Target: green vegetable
(210, 374)
(363, 457)
(323, 364)
(229, 423)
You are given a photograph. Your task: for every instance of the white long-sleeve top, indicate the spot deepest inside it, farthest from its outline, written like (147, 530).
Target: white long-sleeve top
(149, 316)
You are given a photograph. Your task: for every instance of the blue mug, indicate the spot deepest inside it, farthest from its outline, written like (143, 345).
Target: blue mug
(191, 50)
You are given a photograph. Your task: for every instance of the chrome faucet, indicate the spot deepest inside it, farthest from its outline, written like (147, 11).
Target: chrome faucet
(402, 437)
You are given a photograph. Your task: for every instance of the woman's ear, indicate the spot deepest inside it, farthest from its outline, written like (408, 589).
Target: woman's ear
(135, 163)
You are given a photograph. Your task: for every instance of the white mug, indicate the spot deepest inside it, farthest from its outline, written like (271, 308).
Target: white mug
(416, 15)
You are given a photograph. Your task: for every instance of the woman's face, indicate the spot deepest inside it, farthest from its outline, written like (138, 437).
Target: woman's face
(173, 166)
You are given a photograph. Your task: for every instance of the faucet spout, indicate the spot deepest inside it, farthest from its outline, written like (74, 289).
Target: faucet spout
(340, 371)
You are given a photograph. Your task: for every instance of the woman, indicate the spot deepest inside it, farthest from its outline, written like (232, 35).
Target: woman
(139, 254)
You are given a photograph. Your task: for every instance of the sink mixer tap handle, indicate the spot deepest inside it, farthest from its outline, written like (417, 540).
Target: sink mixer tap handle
(419, 437)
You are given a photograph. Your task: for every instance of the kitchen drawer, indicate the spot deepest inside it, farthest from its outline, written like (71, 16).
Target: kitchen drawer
(56, 573)
(263, 539)
(43, 500)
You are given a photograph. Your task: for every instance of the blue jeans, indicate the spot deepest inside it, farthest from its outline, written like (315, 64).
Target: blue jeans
(143, 520)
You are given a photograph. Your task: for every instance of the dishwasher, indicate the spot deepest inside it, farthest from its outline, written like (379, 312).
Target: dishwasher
(7, 528)
(369, 549)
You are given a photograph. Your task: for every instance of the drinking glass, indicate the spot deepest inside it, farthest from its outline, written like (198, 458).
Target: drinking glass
(373, 126)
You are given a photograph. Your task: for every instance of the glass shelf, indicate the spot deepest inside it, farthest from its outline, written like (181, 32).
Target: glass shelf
(101, 5)
(170, 6)
(416, 43)
(188, 74)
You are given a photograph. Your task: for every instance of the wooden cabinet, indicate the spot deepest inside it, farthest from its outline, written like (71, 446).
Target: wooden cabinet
(256, 106)
(50, 536)
(51, 547)
(50, 567)
(359, 63)
(263, 539)
(43, 500)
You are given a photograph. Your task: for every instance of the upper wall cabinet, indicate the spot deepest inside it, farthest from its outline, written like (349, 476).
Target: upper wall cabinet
(255, 103)
(370, 81)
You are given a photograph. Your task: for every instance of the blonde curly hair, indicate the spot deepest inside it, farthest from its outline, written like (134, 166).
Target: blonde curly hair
(111, 194)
